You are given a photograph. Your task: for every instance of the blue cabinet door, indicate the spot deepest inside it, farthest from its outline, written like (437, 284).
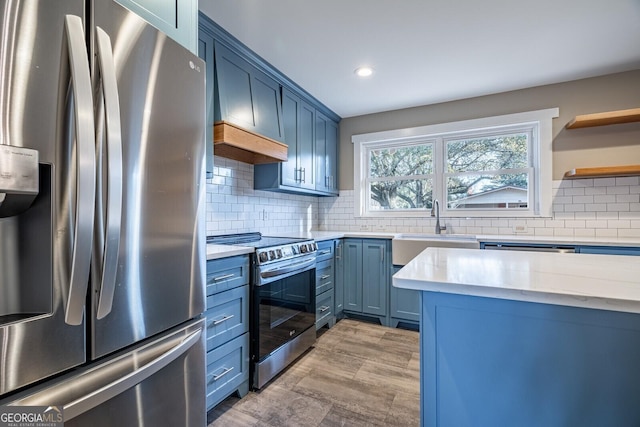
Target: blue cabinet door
(178, 19)
(332, 156)
(322, 183)
(205, 52)
(306, 148)
(290, 121)
(326, 145)
(375, 276)
(352, 276)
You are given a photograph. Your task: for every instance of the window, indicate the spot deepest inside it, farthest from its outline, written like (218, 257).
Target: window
(498, 166)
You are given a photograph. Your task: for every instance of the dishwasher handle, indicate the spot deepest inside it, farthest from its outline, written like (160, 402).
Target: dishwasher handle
(560, 249)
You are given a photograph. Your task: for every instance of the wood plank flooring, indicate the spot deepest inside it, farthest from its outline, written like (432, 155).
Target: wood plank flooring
(357, 374)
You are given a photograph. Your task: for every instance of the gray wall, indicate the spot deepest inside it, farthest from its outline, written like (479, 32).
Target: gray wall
(591, 147)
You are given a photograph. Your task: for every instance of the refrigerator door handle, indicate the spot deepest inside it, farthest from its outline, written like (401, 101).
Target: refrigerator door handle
(114, 173)
(86, 169)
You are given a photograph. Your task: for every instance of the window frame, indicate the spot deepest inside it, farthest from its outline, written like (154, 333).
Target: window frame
(538, 122)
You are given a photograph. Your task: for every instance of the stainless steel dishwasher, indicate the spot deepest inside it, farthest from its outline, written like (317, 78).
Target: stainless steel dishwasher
(562, 249)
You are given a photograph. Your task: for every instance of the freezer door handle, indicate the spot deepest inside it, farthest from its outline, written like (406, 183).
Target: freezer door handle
(86, 169)
(101, 395)
(108, 237)
(86, 391)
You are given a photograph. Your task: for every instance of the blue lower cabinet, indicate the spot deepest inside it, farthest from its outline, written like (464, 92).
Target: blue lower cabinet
(228, 370)
(609, 250)
(404, 305)
(227, 316)
(227, 328)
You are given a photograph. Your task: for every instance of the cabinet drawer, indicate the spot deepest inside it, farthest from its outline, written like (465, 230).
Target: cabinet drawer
(325, 250)
(324, 308)
(227, 315)
(324, 276)
(227, 273)
(227, 368)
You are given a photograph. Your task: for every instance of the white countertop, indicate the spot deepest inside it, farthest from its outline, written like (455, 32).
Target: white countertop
(588, 241)
(608, 282)
(225, 251)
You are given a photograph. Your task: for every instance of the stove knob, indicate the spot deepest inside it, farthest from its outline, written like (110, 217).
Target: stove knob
(278, 253)
(303, 248)
(295, 250)
(263, 257)
(314, 246)
(272, 255)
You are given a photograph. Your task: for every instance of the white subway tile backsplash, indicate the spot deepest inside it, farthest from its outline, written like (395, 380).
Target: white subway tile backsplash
(600, 207)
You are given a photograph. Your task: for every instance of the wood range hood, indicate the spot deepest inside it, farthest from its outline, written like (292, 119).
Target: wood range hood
(234, 142)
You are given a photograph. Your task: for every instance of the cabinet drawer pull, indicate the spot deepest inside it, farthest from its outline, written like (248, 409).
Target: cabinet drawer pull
(226, 276)
(222, 374)
(326, 276)
(325, 252)
(224, 319)
(324, 308)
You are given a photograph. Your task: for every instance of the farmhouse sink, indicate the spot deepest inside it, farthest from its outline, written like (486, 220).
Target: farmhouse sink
(405, 247)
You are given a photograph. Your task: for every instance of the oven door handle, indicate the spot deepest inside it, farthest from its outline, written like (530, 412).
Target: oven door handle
(301, 265)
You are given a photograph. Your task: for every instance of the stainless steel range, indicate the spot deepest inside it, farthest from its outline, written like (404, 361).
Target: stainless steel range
(282, 300)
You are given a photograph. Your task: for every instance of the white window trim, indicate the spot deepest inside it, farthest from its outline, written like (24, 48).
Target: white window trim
(542, 160)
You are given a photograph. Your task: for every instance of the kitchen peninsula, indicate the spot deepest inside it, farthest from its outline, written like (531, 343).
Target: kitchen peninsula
(524, 338)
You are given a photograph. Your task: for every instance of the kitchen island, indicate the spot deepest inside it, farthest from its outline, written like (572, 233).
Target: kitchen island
(527, 339)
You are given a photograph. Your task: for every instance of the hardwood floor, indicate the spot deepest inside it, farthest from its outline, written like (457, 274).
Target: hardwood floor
(357, 374)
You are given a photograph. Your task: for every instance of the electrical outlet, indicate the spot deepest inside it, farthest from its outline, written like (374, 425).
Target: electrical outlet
(520, 229)
(364, 227)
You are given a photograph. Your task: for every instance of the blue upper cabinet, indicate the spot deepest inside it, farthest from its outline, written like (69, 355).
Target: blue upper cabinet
(251, 94)
(178, 19)
(297, 171)
(326, 146)
(247, 97)
(312, 143)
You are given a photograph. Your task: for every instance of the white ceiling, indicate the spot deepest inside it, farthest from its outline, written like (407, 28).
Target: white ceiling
(430, 51)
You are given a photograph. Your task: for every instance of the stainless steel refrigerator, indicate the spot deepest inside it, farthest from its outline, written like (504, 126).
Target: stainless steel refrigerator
(102, 267)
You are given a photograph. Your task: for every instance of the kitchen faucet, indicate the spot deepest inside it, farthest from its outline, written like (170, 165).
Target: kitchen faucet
(435, 211)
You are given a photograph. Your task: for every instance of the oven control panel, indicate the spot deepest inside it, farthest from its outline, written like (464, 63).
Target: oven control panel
(283, 252)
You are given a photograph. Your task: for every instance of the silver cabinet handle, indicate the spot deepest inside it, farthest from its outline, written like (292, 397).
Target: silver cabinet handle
(86, 169)
(304, 175)
(224, 319)
(222, 374)
(226, 276)
(110, 247)
(382, 254)
(326, 276)
(324, 308)
(325, 252)
(339, 250)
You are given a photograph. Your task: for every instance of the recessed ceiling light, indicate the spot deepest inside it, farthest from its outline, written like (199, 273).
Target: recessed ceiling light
(364, 71)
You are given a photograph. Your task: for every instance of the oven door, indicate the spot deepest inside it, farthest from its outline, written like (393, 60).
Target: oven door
(283, 304)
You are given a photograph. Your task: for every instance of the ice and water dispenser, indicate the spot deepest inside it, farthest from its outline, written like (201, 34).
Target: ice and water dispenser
(25, 235)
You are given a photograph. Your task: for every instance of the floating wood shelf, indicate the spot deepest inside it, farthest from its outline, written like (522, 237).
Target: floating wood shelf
(603, 119)
(605, 172)
(235, 143)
